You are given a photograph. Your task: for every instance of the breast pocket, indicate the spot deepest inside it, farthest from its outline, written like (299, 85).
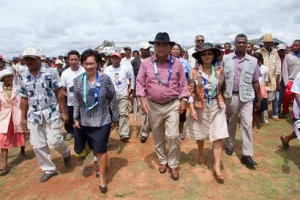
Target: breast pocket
(248, 77)
(226, 72)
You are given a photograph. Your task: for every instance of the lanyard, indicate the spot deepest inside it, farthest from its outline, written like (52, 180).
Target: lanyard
(170, 72)
(214, 83)
(92, 92)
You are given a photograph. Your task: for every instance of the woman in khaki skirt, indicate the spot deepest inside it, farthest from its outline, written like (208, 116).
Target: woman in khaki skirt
(207, 118)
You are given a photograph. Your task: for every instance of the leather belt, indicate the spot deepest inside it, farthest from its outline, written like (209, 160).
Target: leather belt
(235, 92)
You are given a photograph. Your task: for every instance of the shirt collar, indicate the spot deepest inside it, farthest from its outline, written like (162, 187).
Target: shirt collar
(247, 57)
(42, 70)
(154, 58)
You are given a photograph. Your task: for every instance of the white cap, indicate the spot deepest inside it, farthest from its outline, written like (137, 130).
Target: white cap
(122, 51)
(281, 46)
(58, 61)
(30, 52)
(145, 45)
(5, 72)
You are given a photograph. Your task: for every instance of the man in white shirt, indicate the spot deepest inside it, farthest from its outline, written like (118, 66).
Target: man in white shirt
(67, 79)
(123, 80)
(296, 109)
(128, 58)
(127, 62)
(199, 40)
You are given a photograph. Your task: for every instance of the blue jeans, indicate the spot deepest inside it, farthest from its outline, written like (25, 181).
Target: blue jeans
(275, 105)
(281, 95)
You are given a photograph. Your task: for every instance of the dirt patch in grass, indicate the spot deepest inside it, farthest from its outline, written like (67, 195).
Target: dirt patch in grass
(133, 172)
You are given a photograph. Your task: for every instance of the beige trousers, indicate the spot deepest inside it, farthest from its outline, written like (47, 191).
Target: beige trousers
(123, 113)
(233, 107)
(164, 123)
(43, 136)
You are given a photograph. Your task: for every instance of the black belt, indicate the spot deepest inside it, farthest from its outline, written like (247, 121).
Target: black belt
(235, 92)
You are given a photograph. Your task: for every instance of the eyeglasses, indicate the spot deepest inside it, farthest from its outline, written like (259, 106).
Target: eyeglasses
(199, 40)
(89, 64)
(207, 54)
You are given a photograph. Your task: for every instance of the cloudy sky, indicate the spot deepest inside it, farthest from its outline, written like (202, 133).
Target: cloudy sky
(57, 26)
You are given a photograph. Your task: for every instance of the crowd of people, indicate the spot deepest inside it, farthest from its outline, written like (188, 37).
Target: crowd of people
(87, 95)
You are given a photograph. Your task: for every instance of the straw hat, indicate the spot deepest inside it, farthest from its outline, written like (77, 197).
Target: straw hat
(268, 38)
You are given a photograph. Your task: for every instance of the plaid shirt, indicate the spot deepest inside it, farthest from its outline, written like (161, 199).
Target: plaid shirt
(39, 91)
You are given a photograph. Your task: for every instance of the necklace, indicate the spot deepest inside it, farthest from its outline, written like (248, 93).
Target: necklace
(170, 72)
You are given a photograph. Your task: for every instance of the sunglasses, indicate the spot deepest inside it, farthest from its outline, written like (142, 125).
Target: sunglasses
(200, 40)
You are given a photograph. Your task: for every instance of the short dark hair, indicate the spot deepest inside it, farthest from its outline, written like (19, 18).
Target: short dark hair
(259, 57)
(90, 52)
(251, 44)
(241, 35)
(227, 43)
(217, 46)
(74, 52)
(298, 40)
(136, 51)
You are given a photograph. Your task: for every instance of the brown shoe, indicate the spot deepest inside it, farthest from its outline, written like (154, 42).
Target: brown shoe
(285, 145)
(174, 173)
(163, 168)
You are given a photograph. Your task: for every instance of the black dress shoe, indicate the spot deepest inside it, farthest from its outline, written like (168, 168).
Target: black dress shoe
(68, 160)
(247, 160)
(143, 139)
(252, 160)
(103, 189)
(228, 151)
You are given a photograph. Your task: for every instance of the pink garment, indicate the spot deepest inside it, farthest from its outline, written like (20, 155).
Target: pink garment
(147, 84)
(263, 91)
(10, 108)
(11, 139)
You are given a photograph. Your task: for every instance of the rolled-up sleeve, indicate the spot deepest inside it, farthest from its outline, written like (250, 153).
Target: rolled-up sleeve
(256, 74)
(141, 81)
(21, 88)
(182, 84)
(76, 112)
(56, 81)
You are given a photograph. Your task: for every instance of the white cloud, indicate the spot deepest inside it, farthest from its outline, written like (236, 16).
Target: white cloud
(58, 26)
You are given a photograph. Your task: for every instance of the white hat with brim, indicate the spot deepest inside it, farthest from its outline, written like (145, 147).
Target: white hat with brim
(30, 52)
(145, 45)
(5, 72)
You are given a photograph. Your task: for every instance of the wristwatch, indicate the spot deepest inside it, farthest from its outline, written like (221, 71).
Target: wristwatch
(184, 99)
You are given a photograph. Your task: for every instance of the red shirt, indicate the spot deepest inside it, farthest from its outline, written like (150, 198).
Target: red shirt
(147, 84)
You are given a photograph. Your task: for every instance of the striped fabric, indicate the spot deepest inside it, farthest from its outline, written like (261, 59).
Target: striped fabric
(107, 109)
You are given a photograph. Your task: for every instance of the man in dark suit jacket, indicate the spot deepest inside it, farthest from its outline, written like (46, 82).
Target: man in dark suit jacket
(136, 63)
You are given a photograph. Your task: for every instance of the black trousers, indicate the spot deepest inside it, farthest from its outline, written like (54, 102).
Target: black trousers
(69, 126)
